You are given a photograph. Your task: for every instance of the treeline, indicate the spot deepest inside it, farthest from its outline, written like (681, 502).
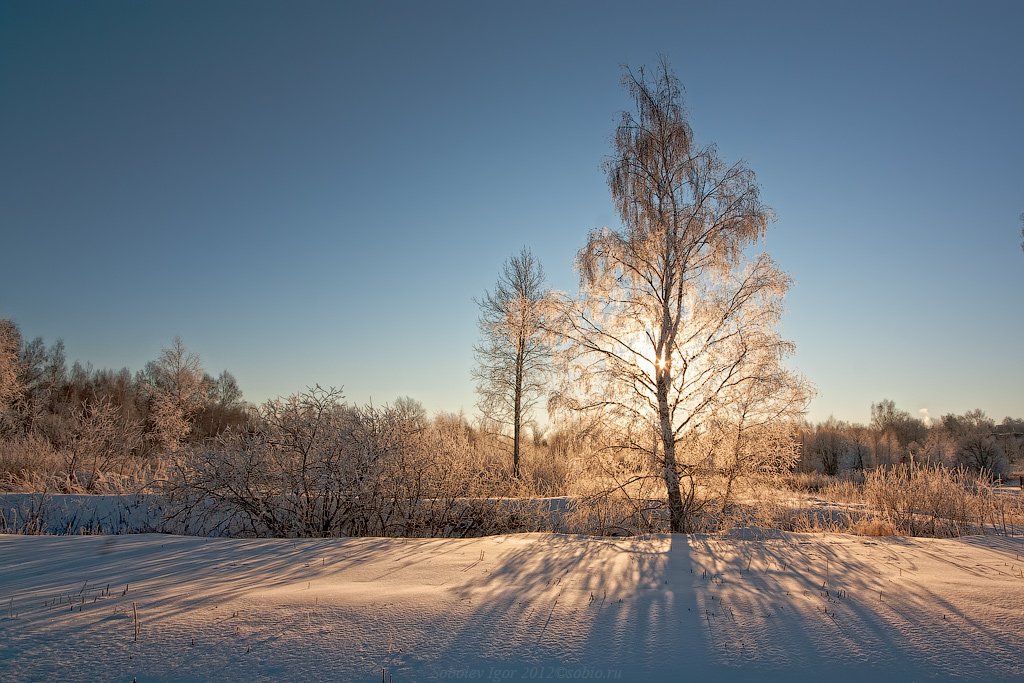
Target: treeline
(79, 429)
(311, 464)
(972, 440)
(77, 426)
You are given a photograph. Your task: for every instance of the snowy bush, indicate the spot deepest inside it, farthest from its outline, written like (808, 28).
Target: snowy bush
(319, 467)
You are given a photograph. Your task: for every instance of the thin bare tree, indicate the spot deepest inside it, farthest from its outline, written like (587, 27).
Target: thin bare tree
(513, 355)
(672, 322)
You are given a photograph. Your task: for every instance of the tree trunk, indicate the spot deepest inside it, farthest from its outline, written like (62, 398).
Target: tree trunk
(679, 523)
(517, 416)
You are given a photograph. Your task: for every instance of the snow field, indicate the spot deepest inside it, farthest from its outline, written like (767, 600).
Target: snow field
(750, 605)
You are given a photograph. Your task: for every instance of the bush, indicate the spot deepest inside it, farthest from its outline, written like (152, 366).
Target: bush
(26, 462)
(319, 467)
(807, 482)
(872, 527)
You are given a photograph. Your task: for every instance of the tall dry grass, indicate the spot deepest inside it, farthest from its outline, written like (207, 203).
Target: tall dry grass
(941, 502)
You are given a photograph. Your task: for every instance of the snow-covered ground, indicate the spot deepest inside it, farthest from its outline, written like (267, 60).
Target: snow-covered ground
(746, 606)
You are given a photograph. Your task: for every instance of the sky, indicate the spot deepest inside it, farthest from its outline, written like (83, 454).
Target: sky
(315, 192)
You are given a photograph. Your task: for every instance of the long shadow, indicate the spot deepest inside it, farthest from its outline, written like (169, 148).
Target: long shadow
(722, 608)
(859, 608)
(745, 606)
(555, 606)
(97, 585)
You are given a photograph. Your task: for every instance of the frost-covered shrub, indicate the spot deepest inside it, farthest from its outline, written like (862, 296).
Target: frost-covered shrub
(807, 482)
(612, 513)
(934, 500)
(26, 461)
(544, 473)
(303, 471)
(316, 466)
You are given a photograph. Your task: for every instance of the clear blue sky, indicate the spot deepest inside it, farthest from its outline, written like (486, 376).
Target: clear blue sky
(314, 192)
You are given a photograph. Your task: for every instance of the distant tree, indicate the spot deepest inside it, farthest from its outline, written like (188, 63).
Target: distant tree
(175, 382)
(513, 355)
(982, 452)
(672, 322)
(1010, 425)
(1010, 433)
(938, 448)
(42, 374)
(894, 430)
(10, 376)
(970, 422)
(97, 423)
(830, 445)
(977, 445)
(223, 390)
(409, 411)
(223, 407)
(885, 415)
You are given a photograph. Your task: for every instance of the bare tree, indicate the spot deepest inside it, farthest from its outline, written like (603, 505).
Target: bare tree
(830, 445)
(101, 440)
(977, 446)
(757, 421)
(223, 407)
(513, 355)
(894, 430)
(175, 382)
(671, 321)
(10, 376)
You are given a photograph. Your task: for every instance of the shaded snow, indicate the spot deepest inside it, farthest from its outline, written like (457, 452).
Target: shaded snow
(153, 513)
(744, 606)
(75, 513)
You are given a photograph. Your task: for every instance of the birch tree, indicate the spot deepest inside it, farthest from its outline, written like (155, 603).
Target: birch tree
(10, 381)
(513, 355)
(672, 321)
(175, 382)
